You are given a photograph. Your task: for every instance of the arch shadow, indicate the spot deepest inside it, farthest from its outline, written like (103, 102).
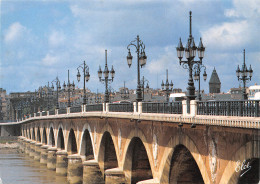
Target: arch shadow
(188, 147)
(60, 139)
(86, 148)
(137, 166)
(72, 143)
(51, 137)
(38, 139)
(107, 157)
(44, 136)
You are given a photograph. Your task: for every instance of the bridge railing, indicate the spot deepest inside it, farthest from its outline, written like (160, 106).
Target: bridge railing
(75, 109)
(6, 121)
(52, 112)
(44, 113)
(62, 111)
(121, 107)
(164, 108)
(241, 108)
(94, 107)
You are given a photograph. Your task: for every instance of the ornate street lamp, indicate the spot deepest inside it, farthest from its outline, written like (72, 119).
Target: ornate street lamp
(69, 87)
(125, 93)
(244, 75)
(141, 61)
(142, 83)
(190, 53)
(167, 87)
(106, 79)
(86, 77)
(197, 76)
(58, 87)
(41, 96)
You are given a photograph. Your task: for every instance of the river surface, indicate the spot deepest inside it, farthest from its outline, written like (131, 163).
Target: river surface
(17, 167)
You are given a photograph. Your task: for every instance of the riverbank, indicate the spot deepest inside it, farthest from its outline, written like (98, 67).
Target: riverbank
(9, 142)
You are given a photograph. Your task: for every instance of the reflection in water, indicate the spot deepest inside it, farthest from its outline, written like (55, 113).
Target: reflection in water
(16, 167)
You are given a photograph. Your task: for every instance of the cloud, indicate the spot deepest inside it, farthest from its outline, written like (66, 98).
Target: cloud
(244, 9)
(227, 35)
(50, 59)
(14, 32)
(238, 29)
(231, 13)
(160, 64)
(56, 38)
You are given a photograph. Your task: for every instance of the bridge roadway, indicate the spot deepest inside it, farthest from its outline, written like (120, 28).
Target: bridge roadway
(136, 147)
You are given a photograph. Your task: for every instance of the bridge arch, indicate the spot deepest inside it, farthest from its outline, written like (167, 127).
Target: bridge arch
(72, 143)
(136, 153)
(33, 133)
(137, 133)
(248, 152)
(107, 157)
(44, 136)
(38, 138)
(60, 139)
(181, 143)
(51, 137)
(86, 143)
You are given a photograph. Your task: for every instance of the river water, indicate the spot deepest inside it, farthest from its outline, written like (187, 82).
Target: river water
(17, 167)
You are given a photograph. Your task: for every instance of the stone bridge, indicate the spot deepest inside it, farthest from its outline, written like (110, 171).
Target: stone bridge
(136, 147)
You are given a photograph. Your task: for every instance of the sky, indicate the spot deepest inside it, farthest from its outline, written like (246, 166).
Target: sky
(42, 39)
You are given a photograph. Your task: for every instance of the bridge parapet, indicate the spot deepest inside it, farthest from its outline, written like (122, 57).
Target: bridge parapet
(169, 112)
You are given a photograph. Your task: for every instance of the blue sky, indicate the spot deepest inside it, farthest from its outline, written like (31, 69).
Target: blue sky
(43, 39)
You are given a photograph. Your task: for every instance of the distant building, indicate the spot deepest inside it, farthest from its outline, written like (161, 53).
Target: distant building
(214, 83)
(236, 93)
(254, 92)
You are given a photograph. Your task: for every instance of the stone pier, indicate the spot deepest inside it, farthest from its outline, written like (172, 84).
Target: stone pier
(32, 149)
(92, 173)
(37, 154)
(27, 146)
(75, 169)
(51, 158)
(115, 176)
(44, 154)
(62, 162)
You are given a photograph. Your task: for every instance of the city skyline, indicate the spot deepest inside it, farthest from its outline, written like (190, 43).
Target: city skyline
(43, 39)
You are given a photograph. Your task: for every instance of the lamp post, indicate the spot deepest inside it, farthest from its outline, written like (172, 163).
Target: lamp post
(111, 93)
(125, 93)
(141, 61)
(57, 81)
(106, 79)
(97, 98)
(244, 75)
(142, 83)
(190, 53)
(86, 77)
(197, 76)
(167, 87)
(69, 87)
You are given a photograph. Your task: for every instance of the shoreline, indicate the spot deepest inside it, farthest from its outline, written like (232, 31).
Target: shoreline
(9, 146)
